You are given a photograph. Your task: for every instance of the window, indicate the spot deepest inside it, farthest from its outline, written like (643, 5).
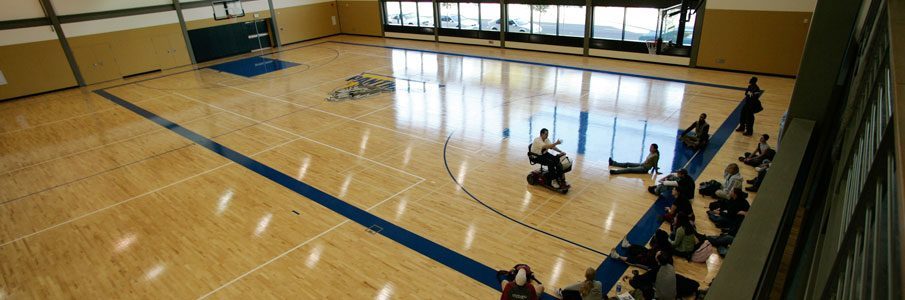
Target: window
(470, 16)
(689, 28)
(393, 13)
(543, 19)
(640, 24)
(490, 13)
(571, 20)
(519, 18)
(608, 22)
(449, 15)
(409, 14)
(426, 14)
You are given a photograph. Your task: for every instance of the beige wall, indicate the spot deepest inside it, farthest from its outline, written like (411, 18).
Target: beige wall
(307, 22)
(754, 41)
(360, 17)
(112, 55)
(34, 67)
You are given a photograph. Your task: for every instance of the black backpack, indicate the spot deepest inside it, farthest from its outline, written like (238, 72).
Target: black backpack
(709, 188)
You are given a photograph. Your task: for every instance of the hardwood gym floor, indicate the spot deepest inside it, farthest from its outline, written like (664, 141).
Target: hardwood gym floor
(257, 187)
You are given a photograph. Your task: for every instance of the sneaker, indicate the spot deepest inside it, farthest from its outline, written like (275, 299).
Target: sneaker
(554, 184)
(652, 189)
(750, 181)
(615, 255)
(740, 129)
(751, 189)
(625, 243)
(741, 158)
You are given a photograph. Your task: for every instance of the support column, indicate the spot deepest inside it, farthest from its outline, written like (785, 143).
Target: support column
(276, 27)
(55, 22)
(185, 32)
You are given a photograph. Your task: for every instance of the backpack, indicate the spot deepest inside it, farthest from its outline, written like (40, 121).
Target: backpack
(703, 252)
(709, 188)
(756, 105)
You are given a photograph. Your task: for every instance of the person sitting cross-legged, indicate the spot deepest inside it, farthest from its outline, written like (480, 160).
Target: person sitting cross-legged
(635, 168)
(697, 135)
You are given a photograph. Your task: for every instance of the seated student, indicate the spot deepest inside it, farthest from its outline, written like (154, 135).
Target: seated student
(761, 173)
(761, 153)
(685, 238)
(516, 284)
(541, 147)
(679, 180)
(681, 206)
(697, 135)
(643, 257)
(651, 162)
(726, 214)
(659, 283)
(589, 289)
(732, 179)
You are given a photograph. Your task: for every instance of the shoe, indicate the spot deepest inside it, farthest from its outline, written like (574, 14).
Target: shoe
(750, 181)
(554, 184)
(612, 172)
(625, 243)
(740, 158)
(615, 255)
(740, 129)
(751, 189)
(652, 189)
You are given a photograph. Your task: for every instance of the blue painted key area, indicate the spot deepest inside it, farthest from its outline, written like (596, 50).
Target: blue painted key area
(253, 66)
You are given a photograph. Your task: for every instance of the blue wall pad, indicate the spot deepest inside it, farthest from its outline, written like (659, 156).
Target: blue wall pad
(253, 66)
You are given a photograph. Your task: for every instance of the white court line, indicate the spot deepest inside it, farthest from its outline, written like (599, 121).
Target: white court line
(112, 107)
(301, 136)
(147, 133)
(136, 197)
(344, 117)
(303, 243)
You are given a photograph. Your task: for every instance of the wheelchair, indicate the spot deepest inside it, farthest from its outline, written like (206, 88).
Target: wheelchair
(543, 176)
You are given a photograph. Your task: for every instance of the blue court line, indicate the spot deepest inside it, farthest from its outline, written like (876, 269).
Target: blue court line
(448, 171)
(464, 265)
(551, 65)
(610, 270)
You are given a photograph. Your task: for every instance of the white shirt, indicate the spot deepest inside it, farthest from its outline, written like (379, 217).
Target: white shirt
(537, 147)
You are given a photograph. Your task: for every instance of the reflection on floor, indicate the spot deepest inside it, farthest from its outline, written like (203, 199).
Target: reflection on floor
(92, 185)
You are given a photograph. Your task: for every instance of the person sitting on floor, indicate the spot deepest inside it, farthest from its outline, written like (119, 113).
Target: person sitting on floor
(726, 214)
(643, 257)
(635, 168)
(761, 153)
(589, 289)
(732, 179)
(679, 180)
(517, 284)
(685, 240)
(761, 173)
(658, 283)
(697, 135)
(681, 206)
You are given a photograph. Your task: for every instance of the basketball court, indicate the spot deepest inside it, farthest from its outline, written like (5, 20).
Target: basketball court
(238, 179)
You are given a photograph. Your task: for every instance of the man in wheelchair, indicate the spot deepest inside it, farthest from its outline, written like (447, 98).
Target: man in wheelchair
(539, 152)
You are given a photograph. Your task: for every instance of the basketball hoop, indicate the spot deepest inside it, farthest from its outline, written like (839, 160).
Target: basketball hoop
(651, 47)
